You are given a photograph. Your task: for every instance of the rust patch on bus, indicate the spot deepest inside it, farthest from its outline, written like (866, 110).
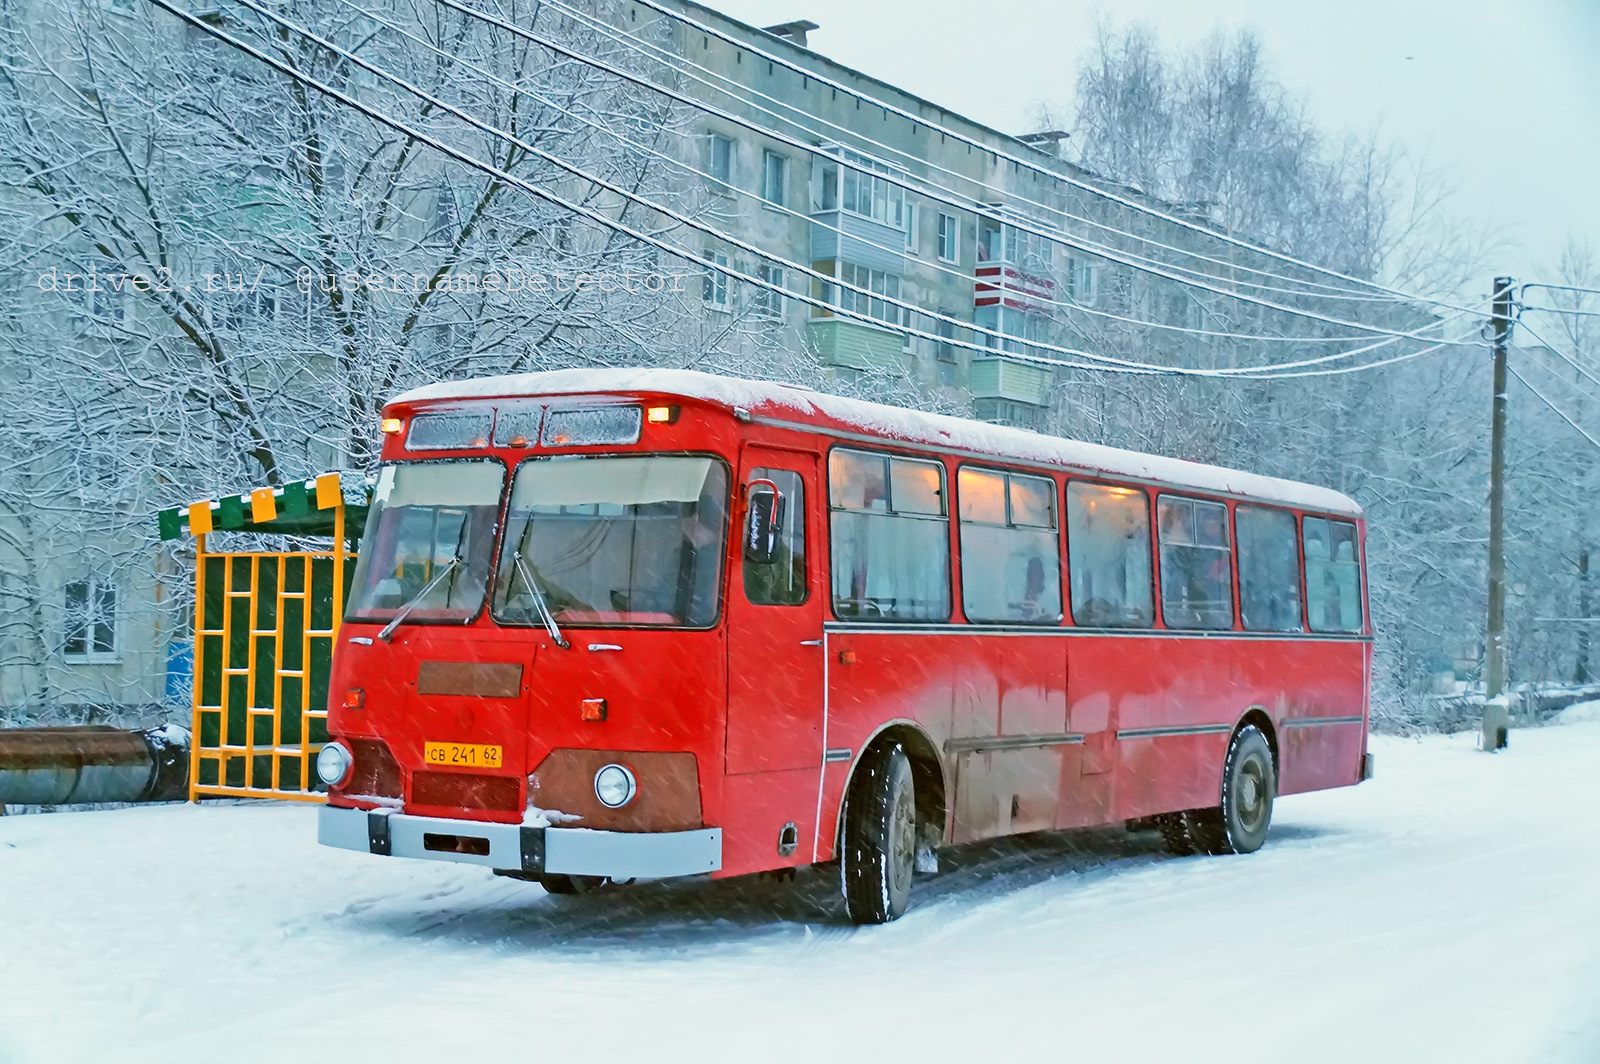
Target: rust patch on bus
(472, 678)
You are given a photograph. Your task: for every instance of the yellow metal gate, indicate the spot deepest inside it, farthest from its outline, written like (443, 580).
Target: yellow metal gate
(264, 630)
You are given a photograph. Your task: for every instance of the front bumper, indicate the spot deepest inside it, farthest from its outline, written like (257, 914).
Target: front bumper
(567, 851)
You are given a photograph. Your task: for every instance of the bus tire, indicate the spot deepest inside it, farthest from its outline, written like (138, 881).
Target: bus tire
(1249, 784)
(560, 883)
(880, 839)
(1175, 834)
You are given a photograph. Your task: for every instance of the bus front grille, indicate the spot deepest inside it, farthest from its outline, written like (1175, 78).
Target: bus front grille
(460, 790)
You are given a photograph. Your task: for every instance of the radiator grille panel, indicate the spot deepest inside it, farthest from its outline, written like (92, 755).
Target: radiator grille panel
(461, 790)
(375, 771)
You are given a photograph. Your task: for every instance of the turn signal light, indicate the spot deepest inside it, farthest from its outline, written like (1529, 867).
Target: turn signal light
(391, 425)
(593, 709)
(355, 698)
(662, 415)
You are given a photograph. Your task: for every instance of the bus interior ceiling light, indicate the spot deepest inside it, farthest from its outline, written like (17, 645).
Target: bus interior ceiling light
(615, 786)
(333, 763)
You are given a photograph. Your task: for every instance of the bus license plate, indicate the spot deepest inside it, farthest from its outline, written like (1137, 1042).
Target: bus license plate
(462, 755)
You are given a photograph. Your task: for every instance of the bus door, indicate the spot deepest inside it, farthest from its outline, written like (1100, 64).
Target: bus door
(775, 625)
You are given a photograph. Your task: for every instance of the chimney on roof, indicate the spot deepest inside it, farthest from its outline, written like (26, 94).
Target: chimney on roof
(793, 32)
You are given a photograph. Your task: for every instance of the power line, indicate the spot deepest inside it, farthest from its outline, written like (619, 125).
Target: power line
(1561, 310)
(1541, 397)
(1014, 159)
(1548, 346)
(783, 208)
(1054, 236)
(683, 65)
(1107, 362)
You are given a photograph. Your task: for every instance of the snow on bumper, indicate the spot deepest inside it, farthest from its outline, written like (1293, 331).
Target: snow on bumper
(569, 851)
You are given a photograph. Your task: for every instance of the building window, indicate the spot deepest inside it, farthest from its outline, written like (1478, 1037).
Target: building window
(944, 350)
(91, 620)
(1082, 282)
(858, 186)
(715, 287)
(949, 238)
(767, 303)
(912, 241)
(774, 179)
(878, 283)
(720, 163)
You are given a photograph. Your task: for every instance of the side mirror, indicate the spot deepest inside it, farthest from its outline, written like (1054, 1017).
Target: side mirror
(763, 522)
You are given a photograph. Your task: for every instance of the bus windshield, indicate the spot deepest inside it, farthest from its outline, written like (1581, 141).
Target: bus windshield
(426, 550)
(625, 540)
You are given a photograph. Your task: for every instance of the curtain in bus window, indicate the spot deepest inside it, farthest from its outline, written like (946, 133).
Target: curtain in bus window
(1196, 563)
(1333, 576)
(628, 540)
(1010, 564)
(1108, 556)
(1269, 570)
(889, 538)
(424, 515)
(782, 582)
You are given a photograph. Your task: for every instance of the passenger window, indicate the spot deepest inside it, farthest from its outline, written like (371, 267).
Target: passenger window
(1010, 561)
(1269, 570)
(1196, 563)
(1333, 576)
(782, 582)
(1108, 554)
(890, 538)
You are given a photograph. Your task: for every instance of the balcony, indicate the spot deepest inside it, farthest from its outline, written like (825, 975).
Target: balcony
(998, 377)
(858, 239)
(1004, 283)
(854, 345)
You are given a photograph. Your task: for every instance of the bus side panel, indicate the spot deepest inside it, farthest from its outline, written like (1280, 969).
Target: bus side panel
(757, 807)
(1170, 682)
(875, 678)
(1331, 683)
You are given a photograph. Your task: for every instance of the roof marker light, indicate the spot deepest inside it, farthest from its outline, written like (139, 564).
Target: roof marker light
(662, 415)
(391, 425)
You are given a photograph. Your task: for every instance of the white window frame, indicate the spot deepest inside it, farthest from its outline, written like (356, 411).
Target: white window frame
(768, 305)
(724, 183)
(1083, 282)
(714, 289)
(913, 221)
(94, 616)
(774, 163)
(953, 243)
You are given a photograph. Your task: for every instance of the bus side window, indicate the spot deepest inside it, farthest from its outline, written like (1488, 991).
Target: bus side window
(783, 582)
(1010, 563)
(1196, 563)
(1269, 569)
(1333, 575)
(889, 537)
(1108, 556)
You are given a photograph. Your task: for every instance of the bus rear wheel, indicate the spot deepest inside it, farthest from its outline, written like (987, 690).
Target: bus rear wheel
(1249, 784)
(880, 839)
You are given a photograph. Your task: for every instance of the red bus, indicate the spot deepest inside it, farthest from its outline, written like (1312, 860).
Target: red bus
(614, 624)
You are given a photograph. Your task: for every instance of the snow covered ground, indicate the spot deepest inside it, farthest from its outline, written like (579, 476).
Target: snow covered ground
(1448, 910)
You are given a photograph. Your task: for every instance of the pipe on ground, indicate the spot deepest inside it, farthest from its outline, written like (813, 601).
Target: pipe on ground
(81, 765)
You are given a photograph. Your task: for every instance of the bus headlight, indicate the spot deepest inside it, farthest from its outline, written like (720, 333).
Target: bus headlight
(615, 786)
(333, 763)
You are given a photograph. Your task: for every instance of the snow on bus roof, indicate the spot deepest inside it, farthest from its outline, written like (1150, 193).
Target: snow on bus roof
(773, 399)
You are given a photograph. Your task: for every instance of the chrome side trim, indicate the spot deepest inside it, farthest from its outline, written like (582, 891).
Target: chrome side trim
(829, 756)
(1317, 722)
(1010, 742)
(1181, 729)
(856, 628)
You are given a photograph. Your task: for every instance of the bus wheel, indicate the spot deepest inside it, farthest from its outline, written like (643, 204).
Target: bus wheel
(1239, 824)
(880, 839)
(1176, 834)
(558, 883)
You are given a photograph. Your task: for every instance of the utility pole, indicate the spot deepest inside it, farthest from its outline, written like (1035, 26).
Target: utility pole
(1496, 711)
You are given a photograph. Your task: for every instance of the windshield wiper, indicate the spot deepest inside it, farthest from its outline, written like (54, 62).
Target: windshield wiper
(539, 603)
(405, 611)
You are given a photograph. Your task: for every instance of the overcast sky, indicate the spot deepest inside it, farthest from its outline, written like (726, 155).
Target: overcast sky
(1504, 95)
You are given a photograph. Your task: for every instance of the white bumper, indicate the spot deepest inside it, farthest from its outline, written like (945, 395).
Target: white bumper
(569, 851)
